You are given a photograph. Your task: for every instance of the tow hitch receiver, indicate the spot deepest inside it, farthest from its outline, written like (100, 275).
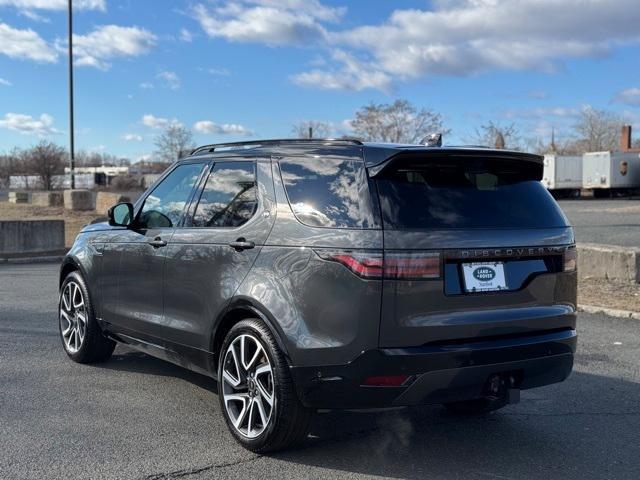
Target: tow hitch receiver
(503, 386)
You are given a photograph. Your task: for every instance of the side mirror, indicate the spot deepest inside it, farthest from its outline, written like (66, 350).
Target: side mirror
(121, 215)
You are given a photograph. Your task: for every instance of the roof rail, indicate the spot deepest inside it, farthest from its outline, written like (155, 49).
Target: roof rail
(281, 141)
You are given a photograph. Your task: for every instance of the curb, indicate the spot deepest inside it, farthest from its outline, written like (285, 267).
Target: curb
(23, 260)
(612, 312)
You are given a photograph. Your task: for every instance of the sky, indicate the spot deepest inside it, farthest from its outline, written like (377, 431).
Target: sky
(250, 69)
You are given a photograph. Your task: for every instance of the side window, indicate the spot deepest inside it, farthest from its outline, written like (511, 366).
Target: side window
(229, 198)
(163, 207)
(329, 192)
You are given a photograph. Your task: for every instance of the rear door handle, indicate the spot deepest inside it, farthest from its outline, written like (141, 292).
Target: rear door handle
(242, 244)
(158, 242)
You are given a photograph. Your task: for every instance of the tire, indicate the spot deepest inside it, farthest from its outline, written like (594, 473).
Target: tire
(477, 406)
(87, 344)
(245, 385)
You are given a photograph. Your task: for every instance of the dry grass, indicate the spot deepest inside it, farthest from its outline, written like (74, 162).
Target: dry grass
(73, 221)
(602, 293)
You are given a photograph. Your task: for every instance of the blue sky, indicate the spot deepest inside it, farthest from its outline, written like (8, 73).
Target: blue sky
(233, 70)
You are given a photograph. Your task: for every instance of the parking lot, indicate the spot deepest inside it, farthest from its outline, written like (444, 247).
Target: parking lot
(614, 221)
(138, 417)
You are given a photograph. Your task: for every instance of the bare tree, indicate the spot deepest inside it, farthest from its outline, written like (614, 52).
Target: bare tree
(597, 130)
(173, 143)
(398, 122)
(45, 160)
(496, 135)
(312, 129)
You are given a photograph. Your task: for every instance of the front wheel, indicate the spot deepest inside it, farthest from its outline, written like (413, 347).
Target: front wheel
(256, 391)
(81, 335)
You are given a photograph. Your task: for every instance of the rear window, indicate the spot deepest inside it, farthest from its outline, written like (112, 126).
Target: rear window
(466, 193)
(327, 192)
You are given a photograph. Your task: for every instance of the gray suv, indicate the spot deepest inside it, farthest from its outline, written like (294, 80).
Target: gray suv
(334, 274)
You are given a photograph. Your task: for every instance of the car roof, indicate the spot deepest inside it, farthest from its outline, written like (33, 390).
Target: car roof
(373, 153)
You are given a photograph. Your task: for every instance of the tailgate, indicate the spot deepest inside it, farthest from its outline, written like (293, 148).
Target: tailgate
(472, 249)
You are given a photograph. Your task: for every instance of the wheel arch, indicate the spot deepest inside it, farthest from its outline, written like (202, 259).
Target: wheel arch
(70, 264)
(242, 308)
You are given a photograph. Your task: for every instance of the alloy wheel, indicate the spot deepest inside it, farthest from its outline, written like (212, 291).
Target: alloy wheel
(73, 317)
(247, 386)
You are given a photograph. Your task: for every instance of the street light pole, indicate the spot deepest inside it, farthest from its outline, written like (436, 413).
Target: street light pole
(71, 126)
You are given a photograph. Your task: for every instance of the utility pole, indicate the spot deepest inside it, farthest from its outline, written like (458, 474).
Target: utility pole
(71, 125)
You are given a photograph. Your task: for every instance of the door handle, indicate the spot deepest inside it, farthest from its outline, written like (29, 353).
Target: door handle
(158, 242)
(242, 244)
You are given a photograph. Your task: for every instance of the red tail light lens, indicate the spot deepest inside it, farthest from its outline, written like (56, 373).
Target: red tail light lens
(412, 265)
(363, 264)
(394, 265)
(570, 260)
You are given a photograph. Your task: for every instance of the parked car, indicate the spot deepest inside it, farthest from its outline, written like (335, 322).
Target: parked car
(334, 274)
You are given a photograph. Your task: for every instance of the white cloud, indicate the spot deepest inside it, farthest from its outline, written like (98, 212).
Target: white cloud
(132, 137)
(107, 42)
(171, 79)
(352, 75)
(55, 4)
(273, 22)
(146, 85)
(462, 37)
(36, 17)
(28, 125)
(158, 123)
(222, 72)
(209, 127)
(25, 44)
(186, 35)
(630, 96)
(5, 83)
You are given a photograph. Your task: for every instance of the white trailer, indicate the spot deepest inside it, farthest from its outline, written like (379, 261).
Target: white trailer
(562, 173)
(610, 171)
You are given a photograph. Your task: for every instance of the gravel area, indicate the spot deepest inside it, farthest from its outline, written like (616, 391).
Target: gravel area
(616, 295)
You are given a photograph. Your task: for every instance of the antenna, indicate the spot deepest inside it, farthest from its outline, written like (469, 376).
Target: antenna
(433, 140)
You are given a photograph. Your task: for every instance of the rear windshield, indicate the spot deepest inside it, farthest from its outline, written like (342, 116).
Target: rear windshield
(466, 193)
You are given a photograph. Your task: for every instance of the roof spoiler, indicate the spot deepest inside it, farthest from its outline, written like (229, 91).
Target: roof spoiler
(458, 153)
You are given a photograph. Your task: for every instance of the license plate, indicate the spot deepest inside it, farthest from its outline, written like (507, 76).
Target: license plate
(484, 277)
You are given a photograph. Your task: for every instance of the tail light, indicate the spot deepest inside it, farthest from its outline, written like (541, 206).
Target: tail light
(570, 260)
(392, 265)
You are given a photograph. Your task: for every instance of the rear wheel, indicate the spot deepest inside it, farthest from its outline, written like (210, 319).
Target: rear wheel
(477, 406)
(256, 392)
(81, 335)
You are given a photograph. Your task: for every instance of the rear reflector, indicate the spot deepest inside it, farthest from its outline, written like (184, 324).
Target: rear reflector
(405, 265)
(385, 381)
(570, 260)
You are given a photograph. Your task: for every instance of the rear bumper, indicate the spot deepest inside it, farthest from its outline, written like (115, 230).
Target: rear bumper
(438, 374)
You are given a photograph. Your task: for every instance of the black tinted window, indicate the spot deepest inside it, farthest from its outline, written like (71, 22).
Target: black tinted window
(163, 207)
(229, 196)
(466, 194)
(329, 192)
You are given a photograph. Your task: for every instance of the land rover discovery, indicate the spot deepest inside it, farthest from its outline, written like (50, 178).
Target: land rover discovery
(333, 274)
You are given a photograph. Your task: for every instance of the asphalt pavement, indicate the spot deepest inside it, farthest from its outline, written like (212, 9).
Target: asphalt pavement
(138, 417)
(612, 221)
